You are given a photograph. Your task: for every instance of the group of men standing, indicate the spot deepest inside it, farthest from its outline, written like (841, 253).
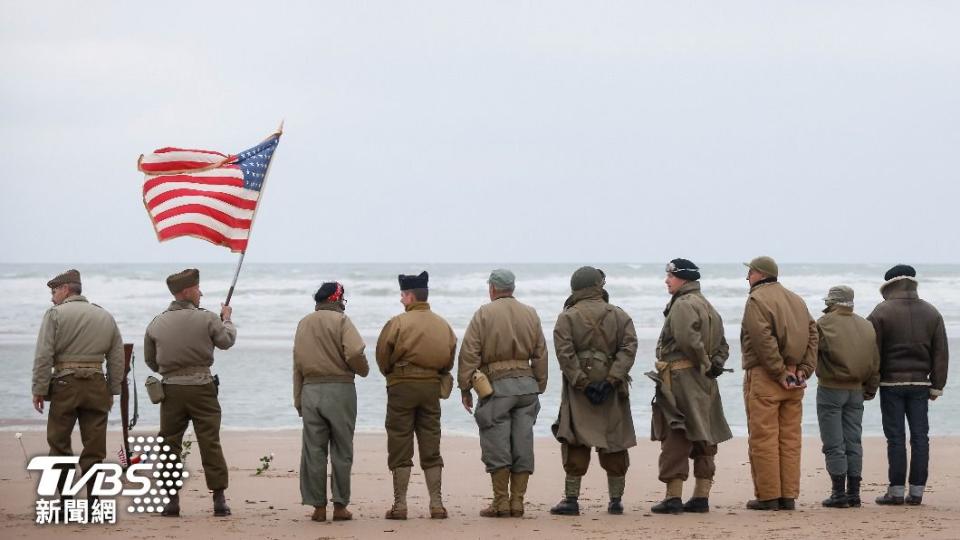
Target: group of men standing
(900, 349)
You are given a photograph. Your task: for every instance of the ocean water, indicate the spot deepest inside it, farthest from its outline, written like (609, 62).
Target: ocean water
(256, 376)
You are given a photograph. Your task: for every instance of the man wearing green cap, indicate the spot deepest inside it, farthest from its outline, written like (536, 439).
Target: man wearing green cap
(596, 345)
(778, 341)
(75, 337)
(504, 342)
(848, 372)
(179, 345)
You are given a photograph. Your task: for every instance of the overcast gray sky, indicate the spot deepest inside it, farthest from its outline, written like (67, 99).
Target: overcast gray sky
(493, 131)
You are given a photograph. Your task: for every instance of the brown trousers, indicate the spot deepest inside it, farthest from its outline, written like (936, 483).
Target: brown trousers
(198, 403)
(576, 460)
(675, 453)
(774, 417)
(413, 408)
(83, 398)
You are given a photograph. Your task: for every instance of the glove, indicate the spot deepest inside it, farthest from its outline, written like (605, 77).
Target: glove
(868, 397)
(598, 392)
(716, 369)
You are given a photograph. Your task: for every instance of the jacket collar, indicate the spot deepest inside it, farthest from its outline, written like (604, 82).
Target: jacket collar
(840, 310)
(762, 282)
(685, 289)
(589, 293)
(900, 287)
(181, 304)
(75, 298)
(418, 306)
(330, 306)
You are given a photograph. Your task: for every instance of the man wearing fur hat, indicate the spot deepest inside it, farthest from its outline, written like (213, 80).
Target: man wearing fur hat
(327, 355)
(778, 341)
(75, 337)
(913, 371)
(596, 345)
(415, 352)
(848, 371)
(504, 342)
(179, 345)
(687, 412)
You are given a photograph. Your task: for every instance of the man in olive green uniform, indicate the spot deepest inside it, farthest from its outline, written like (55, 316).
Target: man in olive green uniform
(687, 413)
(75, 337)
(778, 341)
(596, 345)
(505, 342)
(415, 352)
(327, 356)
(179, 345)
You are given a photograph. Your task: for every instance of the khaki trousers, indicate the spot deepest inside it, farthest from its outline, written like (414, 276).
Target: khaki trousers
(576, 460)
(198, 403)
(84, 399)
(413, 408)
(774, 416)
(675, 453)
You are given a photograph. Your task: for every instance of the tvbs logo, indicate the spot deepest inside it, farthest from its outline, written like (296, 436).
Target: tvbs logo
(150, 482)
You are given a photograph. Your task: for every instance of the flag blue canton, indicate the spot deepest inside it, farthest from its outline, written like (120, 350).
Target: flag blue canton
(254, 162)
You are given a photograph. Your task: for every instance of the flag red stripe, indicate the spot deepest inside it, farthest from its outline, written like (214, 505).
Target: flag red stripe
(206, 180)
(229, 199)
(226, 219)
(193, 229)
(168, 149)
(174, 166)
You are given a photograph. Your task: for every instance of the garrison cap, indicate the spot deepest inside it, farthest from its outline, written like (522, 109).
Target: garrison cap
(765, 265)
(183, 280)
(413, 282)
(70, 276)
(502, 279)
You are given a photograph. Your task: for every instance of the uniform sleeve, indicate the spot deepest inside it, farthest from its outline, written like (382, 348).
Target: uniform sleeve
(297, 375)
(385, 345)
(760, 333)
(940, 356)
(150, 350)
(626, 349)
(823, 347)
(453, 352)
(115, 362)
(873, 381)
(43, 357)
(809, 362)
(539, 359)
(224, 333)
(877, 323)
(686, 327)
(567, 353)
(353, 347)
(469, 359)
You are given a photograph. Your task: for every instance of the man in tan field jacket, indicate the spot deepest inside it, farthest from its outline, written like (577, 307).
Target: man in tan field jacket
(778, 341)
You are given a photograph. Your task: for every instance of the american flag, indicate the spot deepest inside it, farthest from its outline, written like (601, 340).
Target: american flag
(205, 194)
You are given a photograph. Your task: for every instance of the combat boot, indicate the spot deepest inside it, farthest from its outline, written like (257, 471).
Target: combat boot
(340, 512)
(838, 494)
(700, 502)
(172, 508)
(671, 503)
(434, 478)
(568, 506)
(757, 504)
(518, 489)
(500, 506)
(220, 508)
(319, 513)
(615, 485)
(401, 478)
(853, 491)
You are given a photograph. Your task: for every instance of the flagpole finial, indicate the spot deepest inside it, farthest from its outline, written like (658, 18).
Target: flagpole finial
(280, 129)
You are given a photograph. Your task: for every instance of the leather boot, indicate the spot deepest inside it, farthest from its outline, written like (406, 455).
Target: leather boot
(172, 508)
(500, 506)
(340, 512)
(770, 504)
(700, 502)
(671, 503)
(220, 508)
(568, 506)
(434, 478)
(319, 513)
(838, 493)
(615, 485)
(914, 495)
(893, 497)
(518, 489)
(786, 503)
(401, 479)
(853, 491)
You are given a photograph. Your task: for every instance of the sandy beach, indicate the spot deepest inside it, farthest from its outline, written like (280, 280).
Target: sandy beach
(268, 506)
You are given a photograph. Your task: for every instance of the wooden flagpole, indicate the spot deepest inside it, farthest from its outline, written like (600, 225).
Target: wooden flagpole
(263, 187)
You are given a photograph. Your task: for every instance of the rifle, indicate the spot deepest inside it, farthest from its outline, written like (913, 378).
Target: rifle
(126, 422)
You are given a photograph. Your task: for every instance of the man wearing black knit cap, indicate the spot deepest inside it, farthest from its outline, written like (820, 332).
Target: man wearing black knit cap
(913, 370)
(687, 413)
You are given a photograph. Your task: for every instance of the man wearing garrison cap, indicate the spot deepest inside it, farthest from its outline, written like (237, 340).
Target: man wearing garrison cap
(415, 352)
(596, 346)
(504, 342)
(778, 342)
(179, 345)
(913, 371)
(75, 337)
(687, 412)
